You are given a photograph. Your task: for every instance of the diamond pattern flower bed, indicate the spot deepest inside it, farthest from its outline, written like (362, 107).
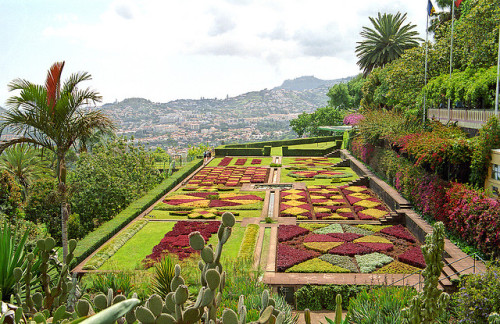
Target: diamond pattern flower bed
(177, 241)
(230, 176)
(352, 248)
(211, 199)
(312, 161)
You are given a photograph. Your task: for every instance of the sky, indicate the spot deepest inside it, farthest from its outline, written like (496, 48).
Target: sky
(164, 50)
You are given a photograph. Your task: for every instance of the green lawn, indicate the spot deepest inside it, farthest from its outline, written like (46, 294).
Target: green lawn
(130, 255)
(322, 145)
(265, 248)
(265, 161)
(232, 246)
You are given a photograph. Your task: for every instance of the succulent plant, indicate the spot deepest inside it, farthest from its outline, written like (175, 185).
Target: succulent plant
(428, 305)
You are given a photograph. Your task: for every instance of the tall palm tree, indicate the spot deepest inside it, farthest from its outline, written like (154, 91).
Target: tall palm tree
(51, 117)
(386, 42)
(24, 164)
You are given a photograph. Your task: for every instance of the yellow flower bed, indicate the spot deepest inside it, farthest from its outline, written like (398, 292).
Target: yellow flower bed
(372, 239)
(367, 203)
(377, 213)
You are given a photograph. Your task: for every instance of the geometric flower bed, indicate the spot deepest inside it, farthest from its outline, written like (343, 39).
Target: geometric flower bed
(319, 174)
(231, 176)
(211, 199)
(177, 240)
(327, 202)
(294, 204)
(347, 248)
(312, 161)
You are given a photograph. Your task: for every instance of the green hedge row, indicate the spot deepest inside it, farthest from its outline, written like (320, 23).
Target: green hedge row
(286, 151)
(323, 297)
(297, 141)
(93, 240)
(240, 151)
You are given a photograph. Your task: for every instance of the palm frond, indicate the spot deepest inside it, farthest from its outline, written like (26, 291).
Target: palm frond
(53, 83)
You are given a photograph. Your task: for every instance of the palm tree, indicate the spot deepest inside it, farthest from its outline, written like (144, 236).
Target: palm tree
(24, 164)
(51, 117)
(386, 42)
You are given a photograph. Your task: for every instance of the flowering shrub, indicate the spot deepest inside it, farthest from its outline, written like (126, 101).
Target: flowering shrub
(488, 139)
(478, 296)
(353, 119)
(474, 217)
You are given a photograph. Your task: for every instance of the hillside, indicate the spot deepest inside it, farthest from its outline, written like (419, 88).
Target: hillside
(255, 115)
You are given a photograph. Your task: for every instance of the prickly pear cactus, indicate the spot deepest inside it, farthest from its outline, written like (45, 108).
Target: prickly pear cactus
(428, 305)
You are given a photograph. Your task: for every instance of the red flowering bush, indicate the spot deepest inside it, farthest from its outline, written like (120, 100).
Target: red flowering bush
(474, 217)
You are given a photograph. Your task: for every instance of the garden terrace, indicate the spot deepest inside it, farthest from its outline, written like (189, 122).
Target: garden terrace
(331, 221)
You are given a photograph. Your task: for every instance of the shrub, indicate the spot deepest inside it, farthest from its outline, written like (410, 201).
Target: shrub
(379, 305)
(323, 297)
(478, 296)
(488, 139)
(249, 241)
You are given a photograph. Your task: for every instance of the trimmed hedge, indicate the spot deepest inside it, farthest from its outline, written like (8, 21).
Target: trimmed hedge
(286, 151)
(296, 141)
(114, 245)
(93, 240)
(323, 297)
(240, 151)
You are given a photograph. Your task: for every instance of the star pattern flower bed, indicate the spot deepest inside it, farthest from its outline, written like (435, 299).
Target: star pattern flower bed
(177, 240)
(339, 248)
(313, 162)
(327, 202)
(230, 176)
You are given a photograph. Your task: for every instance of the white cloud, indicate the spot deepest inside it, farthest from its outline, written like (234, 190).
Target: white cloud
(188, 48)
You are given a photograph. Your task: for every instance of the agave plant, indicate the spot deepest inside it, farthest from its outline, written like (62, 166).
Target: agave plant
(12, 255)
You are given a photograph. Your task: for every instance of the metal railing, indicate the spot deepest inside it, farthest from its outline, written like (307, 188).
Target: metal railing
(457, 273)
(472, 118)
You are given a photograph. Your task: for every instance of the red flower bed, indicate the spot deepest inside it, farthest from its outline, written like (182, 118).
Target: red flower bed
(256, 161)
(177, 240)
(378, 247)
(321, 238)
(288, 256)
(240, 162)
(225, 161)
(413, 257)
(350, 249)
(346, 236)
(288, 232)
(399, 231)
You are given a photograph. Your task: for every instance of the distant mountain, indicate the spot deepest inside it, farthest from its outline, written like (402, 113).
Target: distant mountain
(309, 83)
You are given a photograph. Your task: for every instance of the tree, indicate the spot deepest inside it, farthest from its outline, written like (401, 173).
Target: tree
(52, 117)
(386, 42)
(24, 164)
(346, 95)
(106, 181)
(310, 123)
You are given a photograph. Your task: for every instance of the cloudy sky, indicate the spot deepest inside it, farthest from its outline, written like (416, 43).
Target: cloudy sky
(175, 49)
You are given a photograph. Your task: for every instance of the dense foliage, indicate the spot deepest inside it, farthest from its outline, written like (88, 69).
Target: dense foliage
(109, 179)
